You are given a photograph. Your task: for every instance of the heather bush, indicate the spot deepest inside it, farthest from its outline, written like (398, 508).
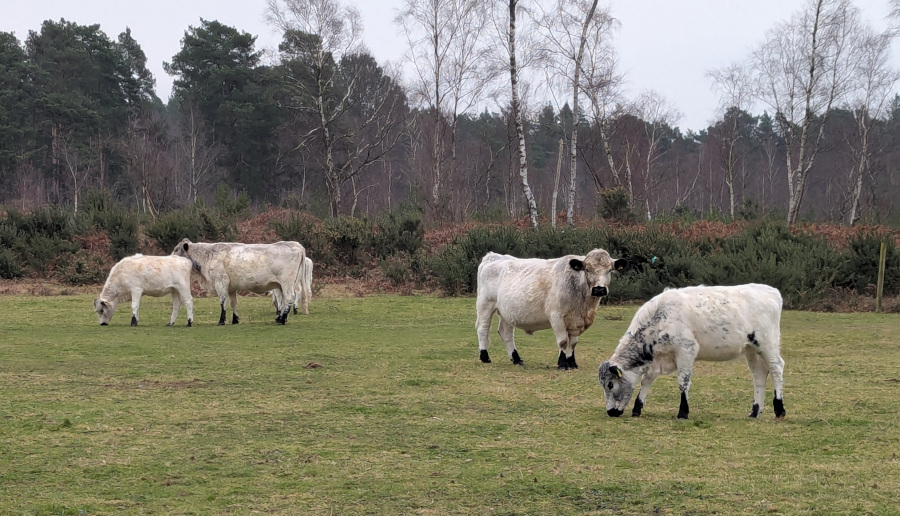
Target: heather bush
(456, 266)
(397, 232)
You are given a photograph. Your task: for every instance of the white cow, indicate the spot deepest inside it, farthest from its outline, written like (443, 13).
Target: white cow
(302, 289)
(154, 276)
(535, 294)
(227, 267)
(679, 326)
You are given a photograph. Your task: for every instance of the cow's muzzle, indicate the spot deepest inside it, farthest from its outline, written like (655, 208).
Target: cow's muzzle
(599, 291)
(614, 412)
(104, 324)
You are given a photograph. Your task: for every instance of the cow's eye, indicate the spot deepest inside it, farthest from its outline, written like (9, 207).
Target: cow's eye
(609, 386)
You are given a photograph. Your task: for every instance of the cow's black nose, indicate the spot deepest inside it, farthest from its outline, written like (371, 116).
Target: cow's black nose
(104, 324)
(614, 412)
(598, 291)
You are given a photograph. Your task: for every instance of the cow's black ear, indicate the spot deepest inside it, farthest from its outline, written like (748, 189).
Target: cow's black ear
(576, 264)
(104, 303)
(615, 370)
(185, 246)
(621, 265)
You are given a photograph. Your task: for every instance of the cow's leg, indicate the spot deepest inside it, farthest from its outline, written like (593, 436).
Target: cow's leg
(570, 360)
(507, 333)
(304, 301)
(484, 311)
(135, 306)
(189, 307)
(685, 363)
(776, 367)
(564, 340)
(176, 305)
(276, 299)
(287, 301)
(234, 315)
(646, 382)
(222, 299)
(221, 287)
(760, 372)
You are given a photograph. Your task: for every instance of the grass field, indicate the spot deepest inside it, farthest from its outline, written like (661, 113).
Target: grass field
(402, 418)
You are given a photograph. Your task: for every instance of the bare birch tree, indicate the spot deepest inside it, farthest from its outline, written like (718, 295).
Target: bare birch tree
(449, 56)
(658, 118)
(735, 88)
(517, 108)
(603, 86)
(196, 155)
(870, 99)
(324, 70)
(567, 30)
(802, 69)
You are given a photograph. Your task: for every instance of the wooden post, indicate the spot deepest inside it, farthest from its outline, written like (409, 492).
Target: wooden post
(879, 289)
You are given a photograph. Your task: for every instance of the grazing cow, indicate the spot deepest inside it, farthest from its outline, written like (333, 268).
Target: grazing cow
(535, 294)
(302, 289)
(154, 276)
(227, 267)
(679, 326)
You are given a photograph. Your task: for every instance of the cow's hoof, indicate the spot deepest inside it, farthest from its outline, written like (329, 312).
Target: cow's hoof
(235, 320)
(638, 408)
(516, 359)
(778, 405)
(614, 412)
(754, 413)
(682, 416)
(295, 311)
(484, 357)
(170, 324)
(221, 323)
(562, 367)
(190, 323)
(279, 320)
(133, 320)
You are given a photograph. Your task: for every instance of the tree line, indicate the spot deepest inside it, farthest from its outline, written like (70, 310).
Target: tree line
(809, 121)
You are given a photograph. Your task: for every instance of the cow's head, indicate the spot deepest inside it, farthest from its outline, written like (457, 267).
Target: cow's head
(105, 310)
(618, 386)
(183, 248)
(598, 267)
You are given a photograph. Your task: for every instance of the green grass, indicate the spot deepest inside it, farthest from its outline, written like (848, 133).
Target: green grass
(402, 418)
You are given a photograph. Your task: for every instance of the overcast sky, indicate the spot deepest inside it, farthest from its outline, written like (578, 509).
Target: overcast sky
(664, 45)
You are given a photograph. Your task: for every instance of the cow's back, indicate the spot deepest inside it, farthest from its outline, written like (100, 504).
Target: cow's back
(722, 319)
(261, 267)
(154, 275)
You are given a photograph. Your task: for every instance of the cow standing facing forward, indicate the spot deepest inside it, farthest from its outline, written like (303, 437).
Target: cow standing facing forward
(227, 267)
(679, 326)
(535, 294)
(155, 276)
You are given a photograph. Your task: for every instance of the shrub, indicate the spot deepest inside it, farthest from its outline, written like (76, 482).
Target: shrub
(41, 237)
(228, 207)
(9, 265)
(399, 232)
(171, 228)
(614, 205)
(84, 268)
(456, 266)
(859, 269)
(350, 237)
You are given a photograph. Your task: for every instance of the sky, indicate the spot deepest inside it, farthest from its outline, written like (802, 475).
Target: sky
(664, 45)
